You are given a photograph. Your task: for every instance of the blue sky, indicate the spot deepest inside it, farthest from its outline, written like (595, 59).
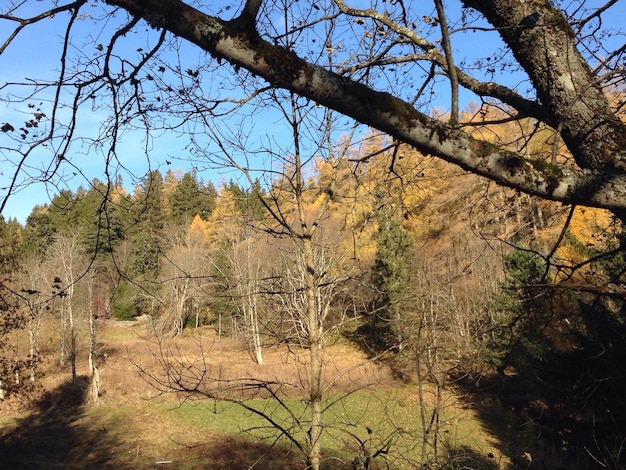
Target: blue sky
(30, 57)
(35, 54)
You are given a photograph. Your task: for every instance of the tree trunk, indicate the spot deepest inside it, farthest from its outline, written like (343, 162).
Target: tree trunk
(246, 268)
(256, 337)
(63, 346)
(92, 325)
(95, 385)
(315, 348)
(544, 44)
(31, 350)
(92, 342)
(219, 325)
(34, 325)
(399, 329)
(72, 334)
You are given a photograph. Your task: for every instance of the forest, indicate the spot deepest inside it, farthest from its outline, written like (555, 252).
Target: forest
(442, 277)
(335, 234)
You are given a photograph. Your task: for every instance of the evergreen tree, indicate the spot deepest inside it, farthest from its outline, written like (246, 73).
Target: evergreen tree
(39, 230)
(189, 198)
(248, 201)
(222, 306)
(123, 302)
(150, 207)
(98, 218)
(183, 199)
(147, 241)
(207, 199)
(11, 246)
(147, 234)
(63, 209)
(144, 261)
(521, 314)
(564, 350)
(391, 276)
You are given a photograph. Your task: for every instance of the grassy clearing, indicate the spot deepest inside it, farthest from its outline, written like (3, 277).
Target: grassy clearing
(133, 427)
(378, 420)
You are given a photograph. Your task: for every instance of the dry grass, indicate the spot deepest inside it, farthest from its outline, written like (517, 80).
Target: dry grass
(130, 347)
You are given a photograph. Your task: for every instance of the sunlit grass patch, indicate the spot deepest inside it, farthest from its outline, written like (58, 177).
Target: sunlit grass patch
(387, 422)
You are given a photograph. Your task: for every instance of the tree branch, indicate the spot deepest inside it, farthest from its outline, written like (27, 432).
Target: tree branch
(284, 69)
(544, 44)
(447, 49)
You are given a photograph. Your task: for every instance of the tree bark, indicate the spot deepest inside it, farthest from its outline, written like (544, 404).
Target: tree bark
(544, 43)
(315, 349)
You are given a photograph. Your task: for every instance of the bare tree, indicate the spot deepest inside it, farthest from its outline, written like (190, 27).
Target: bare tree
(307, 281)
(67, 253)
(566, 86)
(307, 264)
(92, 312)
(337, 56)
(37, 299)
(184, 280)
(245, 284)
(565, 62)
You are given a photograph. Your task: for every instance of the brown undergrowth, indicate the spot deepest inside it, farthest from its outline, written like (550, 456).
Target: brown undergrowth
(136, 348)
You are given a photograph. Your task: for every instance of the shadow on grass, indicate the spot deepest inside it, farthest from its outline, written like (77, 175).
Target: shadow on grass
(554, 429)
(467, 458)
(232, 452)
(54, 436)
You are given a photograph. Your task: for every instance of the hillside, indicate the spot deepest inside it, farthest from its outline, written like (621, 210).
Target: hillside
(419, 316)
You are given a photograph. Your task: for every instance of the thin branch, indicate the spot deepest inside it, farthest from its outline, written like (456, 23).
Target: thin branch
(24, 22)
(452, 71)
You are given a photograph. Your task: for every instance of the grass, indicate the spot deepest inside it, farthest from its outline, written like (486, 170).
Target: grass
(134, 427)
(388, 420)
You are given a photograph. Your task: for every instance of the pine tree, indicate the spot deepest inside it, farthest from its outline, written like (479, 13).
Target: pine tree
(39, 230)
(189, 198)
(151, 213)
(147, 234)
(391, 276)
(520, 314)
(247, 201)
(98, 218)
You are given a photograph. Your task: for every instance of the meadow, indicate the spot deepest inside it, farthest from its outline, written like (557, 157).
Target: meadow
(135, 426)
